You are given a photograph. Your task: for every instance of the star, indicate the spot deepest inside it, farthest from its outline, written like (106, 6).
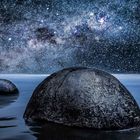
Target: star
(101, 20)
(10, 39)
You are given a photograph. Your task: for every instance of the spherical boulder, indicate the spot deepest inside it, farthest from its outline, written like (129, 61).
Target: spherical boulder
(83, 97)
(7, 87)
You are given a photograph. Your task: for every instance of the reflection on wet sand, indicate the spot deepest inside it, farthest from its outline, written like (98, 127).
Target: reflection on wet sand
(7, 100)
(51, 131)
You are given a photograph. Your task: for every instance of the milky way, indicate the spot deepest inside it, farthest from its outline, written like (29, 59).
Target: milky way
(39, 36)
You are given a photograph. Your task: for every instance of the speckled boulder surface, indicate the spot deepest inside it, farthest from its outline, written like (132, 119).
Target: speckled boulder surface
(83, 97)
(7, 87)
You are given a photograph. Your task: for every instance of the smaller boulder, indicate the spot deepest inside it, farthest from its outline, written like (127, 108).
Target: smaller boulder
(7, 87)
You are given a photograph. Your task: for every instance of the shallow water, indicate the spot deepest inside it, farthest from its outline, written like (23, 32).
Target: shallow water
(13, 127)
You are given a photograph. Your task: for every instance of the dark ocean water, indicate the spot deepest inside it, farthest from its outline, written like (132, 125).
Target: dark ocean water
(13, 127)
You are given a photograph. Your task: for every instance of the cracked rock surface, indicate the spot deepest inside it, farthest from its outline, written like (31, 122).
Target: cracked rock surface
(83, 97)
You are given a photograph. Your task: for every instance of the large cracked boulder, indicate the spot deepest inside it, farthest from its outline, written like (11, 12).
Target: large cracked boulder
(7, 88)
(83, 97)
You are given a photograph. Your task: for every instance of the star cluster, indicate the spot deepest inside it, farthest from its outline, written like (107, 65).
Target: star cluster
(39, 36)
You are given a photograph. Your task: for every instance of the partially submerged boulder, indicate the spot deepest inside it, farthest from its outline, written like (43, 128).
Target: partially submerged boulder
(7, 88)
(83, 97)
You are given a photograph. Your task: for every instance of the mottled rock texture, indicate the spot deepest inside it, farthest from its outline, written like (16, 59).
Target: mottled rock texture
(83, 97)
(7, 87)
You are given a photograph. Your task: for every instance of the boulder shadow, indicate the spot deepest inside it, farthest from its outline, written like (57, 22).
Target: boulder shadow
(7, 100)
(53, 131)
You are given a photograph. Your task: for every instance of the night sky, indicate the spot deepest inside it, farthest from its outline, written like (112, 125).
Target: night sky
(43, 36)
